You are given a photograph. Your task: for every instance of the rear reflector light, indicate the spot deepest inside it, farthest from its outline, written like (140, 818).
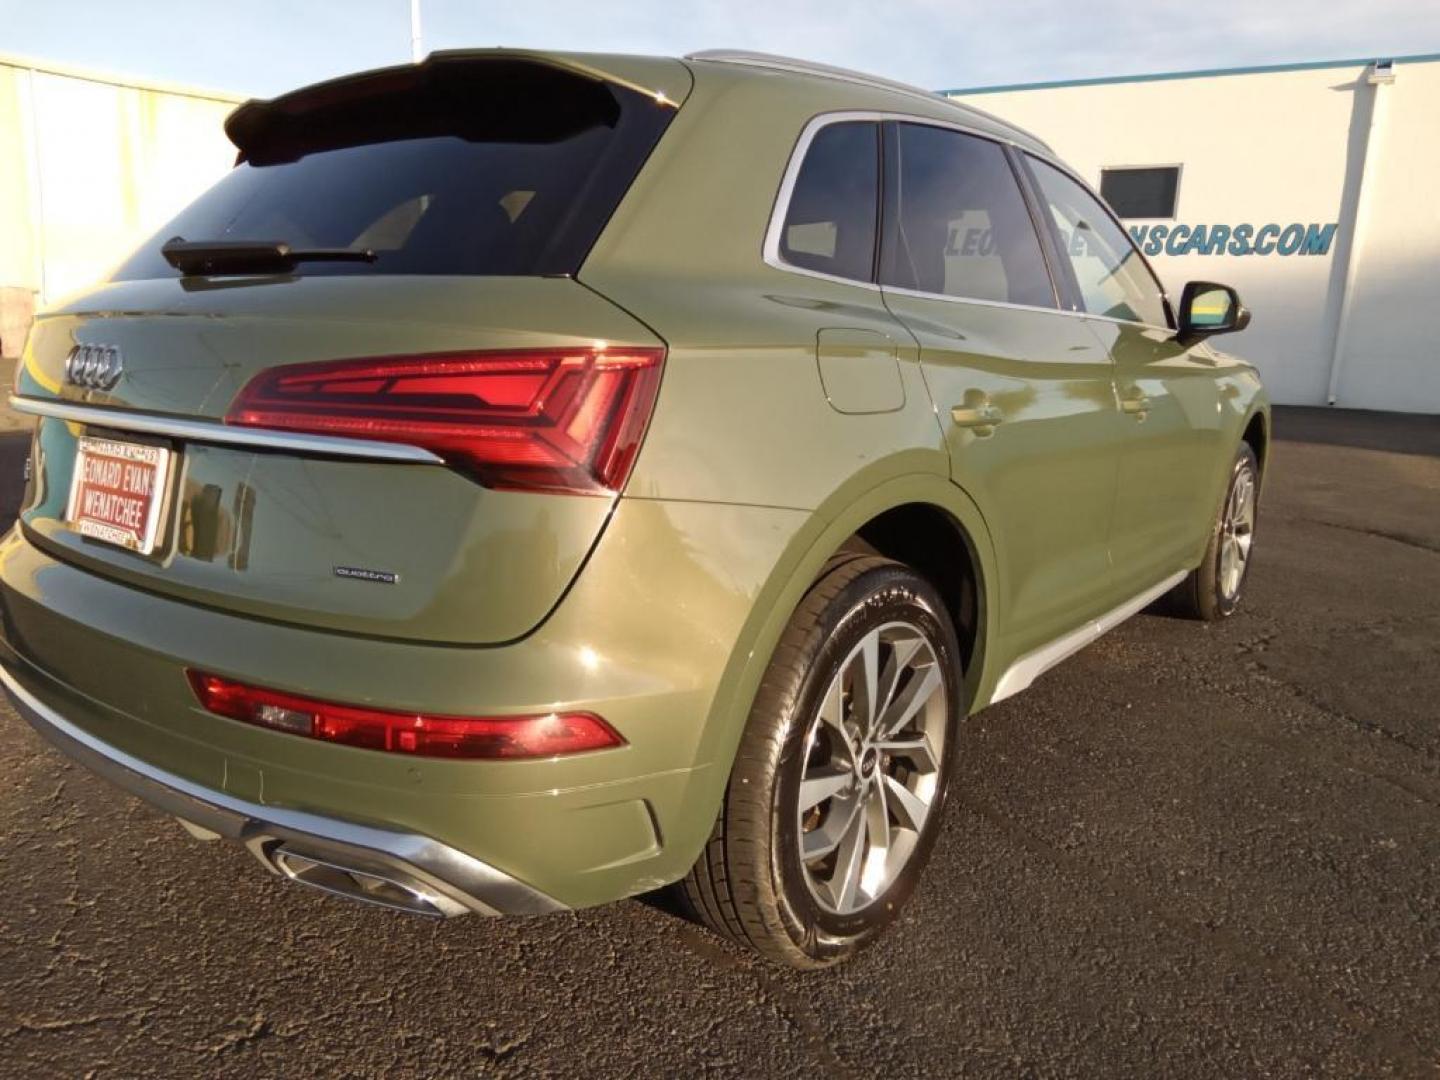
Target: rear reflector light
(544, 735)
(556, 420)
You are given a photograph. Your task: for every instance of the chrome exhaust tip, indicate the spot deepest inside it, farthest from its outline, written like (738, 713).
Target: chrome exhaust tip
(386, 889)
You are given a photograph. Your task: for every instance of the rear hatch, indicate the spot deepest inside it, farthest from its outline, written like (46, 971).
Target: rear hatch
(434, 433)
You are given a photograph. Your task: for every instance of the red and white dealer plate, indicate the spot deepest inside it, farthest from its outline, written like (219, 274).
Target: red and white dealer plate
(117, 492)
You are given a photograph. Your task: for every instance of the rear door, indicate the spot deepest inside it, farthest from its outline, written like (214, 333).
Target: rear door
(1168, 394)
(1022, 388)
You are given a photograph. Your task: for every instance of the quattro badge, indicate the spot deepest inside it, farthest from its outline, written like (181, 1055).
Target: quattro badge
(361, 573)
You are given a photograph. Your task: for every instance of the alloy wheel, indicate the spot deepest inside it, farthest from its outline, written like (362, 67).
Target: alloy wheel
(1237, 531)
(872, 767)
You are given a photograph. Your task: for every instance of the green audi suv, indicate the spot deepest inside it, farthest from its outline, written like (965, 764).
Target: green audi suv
(528, 480)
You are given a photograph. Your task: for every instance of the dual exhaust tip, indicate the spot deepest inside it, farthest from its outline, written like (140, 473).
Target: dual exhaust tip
(386, 889)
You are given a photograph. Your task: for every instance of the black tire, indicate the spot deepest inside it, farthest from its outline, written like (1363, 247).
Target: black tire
(749, 884)
(1202, 594)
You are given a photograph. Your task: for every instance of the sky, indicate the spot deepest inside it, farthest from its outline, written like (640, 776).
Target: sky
(263, 47)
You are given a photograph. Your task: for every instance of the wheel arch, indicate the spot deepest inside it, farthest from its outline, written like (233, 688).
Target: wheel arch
(1257, 435)
(870, 520)
(933, 542)
(839, 524)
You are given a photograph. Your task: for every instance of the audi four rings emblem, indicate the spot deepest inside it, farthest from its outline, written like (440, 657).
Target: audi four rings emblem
(95, 366)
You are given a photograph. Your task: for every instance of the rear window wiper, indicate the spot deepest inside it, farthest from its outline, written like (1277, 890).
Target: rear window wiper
(250, 256)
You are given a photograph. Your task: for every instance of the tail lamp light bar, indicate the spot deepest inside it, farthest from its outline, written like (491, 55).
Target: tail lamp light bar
(566, 421)
(419, 734)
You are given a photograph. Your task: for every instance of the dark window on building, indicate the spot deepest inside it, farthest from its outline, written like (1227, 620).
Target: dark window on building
(1141, 193)
(830, 222)
(962, 228)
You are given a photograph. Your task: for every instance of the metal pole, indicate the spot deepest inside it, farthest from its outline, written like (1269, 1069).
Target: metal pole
(35, 181)
(1377, 77)
(417, 52)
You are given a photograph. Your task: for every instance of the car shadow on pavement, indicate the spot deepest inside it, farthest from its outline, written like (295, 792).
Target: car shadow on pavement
(1397, 433)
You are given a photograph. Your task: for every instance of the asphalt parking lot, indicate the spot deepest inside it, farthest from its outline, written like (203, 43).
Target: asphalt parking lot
(1191, 850)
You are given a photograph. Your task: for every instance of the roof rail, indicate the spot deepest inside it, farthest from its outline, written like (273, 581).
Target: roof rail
(829, 71)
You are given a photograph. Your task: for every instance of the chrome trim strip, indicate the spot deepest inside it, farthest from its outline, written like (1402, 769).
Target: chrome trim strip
(920, 295)
(797, 66)
(1072, 313)
(474, 884)
(1019, 675)
(210, 432)
(1128, 322)
(775, 62)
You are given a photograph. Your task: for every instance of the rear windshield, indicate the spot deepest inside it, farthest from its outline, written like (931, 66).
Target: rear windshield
(482, 167)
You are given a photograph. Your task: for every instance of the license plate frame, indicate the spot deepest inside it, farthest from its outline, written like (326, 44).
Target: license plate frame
(119, 490)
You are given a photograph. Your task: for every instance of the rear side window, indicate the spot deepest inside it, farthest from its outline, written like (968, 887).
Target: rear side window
(454, 167)
(961, 227)
(830, 223)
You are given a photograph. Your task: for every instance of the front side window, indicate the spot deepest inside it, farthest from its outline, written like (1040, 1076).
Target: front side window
(1112, 277)
(830, 222)
(960, 225)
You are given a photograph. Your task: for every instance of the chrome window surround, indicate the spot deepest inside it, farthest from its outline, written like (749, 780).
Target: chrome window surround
(770, 251)
(226, 434)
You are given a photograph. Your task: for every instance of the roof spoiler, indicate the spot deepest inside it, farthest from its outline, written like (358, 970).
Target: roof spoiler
(250, 123)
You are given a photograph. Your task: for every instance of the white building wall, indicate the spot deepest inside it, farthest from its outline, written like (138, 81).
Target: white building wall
(1396, 291)
(89, 167)
(1285, 146)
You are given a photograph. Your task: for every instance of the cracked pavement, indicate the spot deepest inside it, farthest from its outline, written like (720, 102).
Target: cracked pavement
(1190, 850)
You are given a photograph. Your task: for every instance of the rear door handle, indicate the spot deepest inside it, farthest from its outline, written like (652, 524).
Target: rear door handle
(1135, 404)
(976, 416)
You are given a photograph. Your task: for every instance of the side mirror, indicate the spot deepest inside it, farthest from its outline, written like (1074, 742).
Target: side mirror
(1207, 308)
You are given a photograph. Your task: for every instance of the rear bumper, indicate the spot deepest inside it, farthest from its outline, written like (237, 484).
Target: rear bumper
(406, 871)
(645, 639)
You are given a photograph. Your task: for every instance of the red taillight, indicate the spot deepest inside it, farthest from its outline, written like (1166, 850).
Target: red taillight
(559, 420)
(544, 735)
